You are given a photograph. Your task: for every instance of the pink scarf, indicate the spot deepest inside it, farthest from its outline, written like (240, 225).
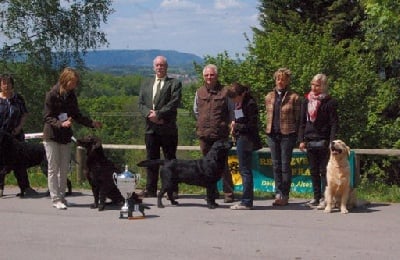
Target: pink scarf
(314, 101)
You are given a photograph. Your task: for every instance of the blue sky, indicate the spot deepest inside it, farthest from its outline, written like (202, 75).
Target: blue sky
(201, 27)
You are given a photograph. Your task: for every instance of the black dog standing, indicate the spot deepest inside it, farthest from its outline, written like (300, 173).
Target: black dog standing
(204, 172)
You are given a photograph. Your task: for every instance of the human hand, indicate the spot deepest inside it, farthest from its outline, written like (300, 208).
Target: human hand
(67, 123)
(153, 118)
(302, 146)
(232, 127)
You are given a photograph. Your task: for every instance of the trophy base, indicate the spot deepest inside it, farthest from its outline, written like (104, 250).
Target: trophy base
(136, 217)
(132, 211)
(130, 216)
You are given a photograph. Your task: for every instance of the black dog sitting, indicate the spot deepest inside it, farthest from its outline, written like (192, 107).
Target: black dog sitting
(14, 152)
(99, 172)
(204, 172)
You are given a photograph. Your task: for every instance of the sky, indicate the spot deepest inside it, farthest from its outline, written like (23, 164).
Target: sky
(201, 27)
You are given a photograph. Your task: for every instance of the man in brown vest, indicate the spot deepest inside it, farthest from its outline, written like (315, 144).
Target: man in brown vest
(214, 113)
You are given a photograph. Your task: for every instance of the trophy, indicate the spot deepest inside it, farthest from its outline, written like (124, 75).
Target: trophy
(126, 183)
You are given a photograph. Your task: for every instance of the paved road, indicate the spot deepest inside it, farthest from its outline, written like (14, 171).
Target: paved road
(32, 229)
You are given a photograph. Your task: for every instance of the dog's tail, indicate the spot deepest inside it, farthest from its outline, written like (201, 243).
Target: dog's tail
(149, 163)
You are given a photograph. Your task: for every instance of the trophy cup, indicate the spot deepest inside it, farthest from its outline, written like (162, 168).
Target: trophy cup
(126, 183)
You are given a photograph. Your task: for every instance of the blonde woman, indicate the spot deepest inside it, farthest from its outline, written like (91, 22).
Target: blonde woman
(60, 112)
(318, 127)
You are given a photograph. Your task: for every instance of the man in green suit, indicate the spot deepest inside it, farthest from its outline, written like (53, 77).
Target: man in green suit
(158, 104)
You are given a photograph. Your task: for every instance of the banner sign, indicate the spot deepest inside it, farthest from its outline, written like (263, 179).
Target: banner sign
(263, 176)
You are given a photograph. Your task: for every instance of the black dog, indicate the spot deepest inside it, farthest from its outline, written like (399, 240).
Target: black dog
(14, 152)
(99, 172)
(204, 172)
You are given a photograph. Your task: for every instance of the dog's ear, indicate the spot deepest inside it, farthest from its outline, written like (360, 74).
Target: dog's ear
(348, 151)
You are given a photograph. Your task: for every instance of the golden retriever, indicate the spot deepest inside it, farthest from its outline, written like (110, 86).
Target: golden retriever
(338, 177)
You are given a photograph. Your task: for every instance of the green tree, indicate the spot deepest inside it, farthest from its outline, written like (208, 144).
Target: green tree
(102, 84)
(52, 33)
(39, 38)
(382, 44)
(340, 18)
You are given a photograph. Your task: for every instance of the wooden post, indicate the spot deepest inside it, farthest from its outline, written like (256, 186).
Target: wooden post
(80, 161)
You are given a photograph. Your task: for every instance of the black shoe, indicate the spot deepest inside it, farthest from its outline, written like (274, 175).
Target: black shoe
(174, 195)
(28, 192)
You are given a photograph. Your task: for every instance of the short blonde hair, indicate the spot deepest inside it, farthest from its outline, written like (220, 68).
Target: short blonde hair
(286, 73)
(323, 80)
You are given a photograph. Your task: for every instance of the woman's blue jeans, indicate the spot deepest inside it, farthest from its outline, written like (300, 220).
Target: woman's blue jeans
(244, 150)
(281, 154)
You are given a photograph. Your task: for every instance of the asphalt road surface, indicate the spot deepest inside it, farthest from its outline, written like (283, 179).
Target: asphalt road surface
(32, 229)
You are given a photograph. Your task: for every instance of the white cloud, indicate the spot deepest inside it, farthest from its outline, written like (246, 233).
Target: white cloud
(226, 4)
(177, 4)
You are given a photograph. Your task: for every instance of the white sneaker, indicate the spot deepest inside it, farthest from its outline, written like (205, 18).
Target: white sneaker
(59, 205)
(240, 206)
(65, 202)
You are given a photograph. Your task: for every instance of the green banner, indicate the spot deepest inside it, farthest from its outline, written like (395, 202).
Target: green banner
(264, 178)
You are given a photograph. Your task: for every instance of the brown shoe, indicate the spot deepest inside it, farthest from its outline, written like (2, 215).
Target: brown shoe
(280, 202)
(228, 198)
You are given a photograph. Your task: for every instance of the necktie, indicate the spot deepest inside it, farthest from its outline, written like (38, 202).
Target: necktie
(157, 95)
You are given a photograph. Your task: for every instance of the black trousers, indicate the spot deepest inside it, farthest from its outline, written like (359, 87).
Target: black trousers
(318, 160)
(155, 142)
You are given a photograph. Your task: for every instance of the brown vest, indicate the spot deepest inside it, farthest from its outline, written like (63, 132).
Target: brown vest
(213, 119)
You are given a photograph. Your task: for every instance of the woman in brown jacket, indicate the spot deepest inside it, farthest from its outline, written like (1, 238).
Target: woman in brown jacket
(60, 111)
(283, 112)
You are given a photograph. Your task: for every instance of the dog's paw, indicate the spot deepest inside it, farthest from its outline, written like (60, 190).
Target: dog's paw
(344, 211)
(102, 207)
(327, 210)
(94, 206)
(161, 206)
(174, 202)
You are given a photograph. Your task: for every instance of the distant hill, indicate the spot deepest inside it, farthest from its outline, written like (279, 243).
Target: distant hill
(138, 58)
